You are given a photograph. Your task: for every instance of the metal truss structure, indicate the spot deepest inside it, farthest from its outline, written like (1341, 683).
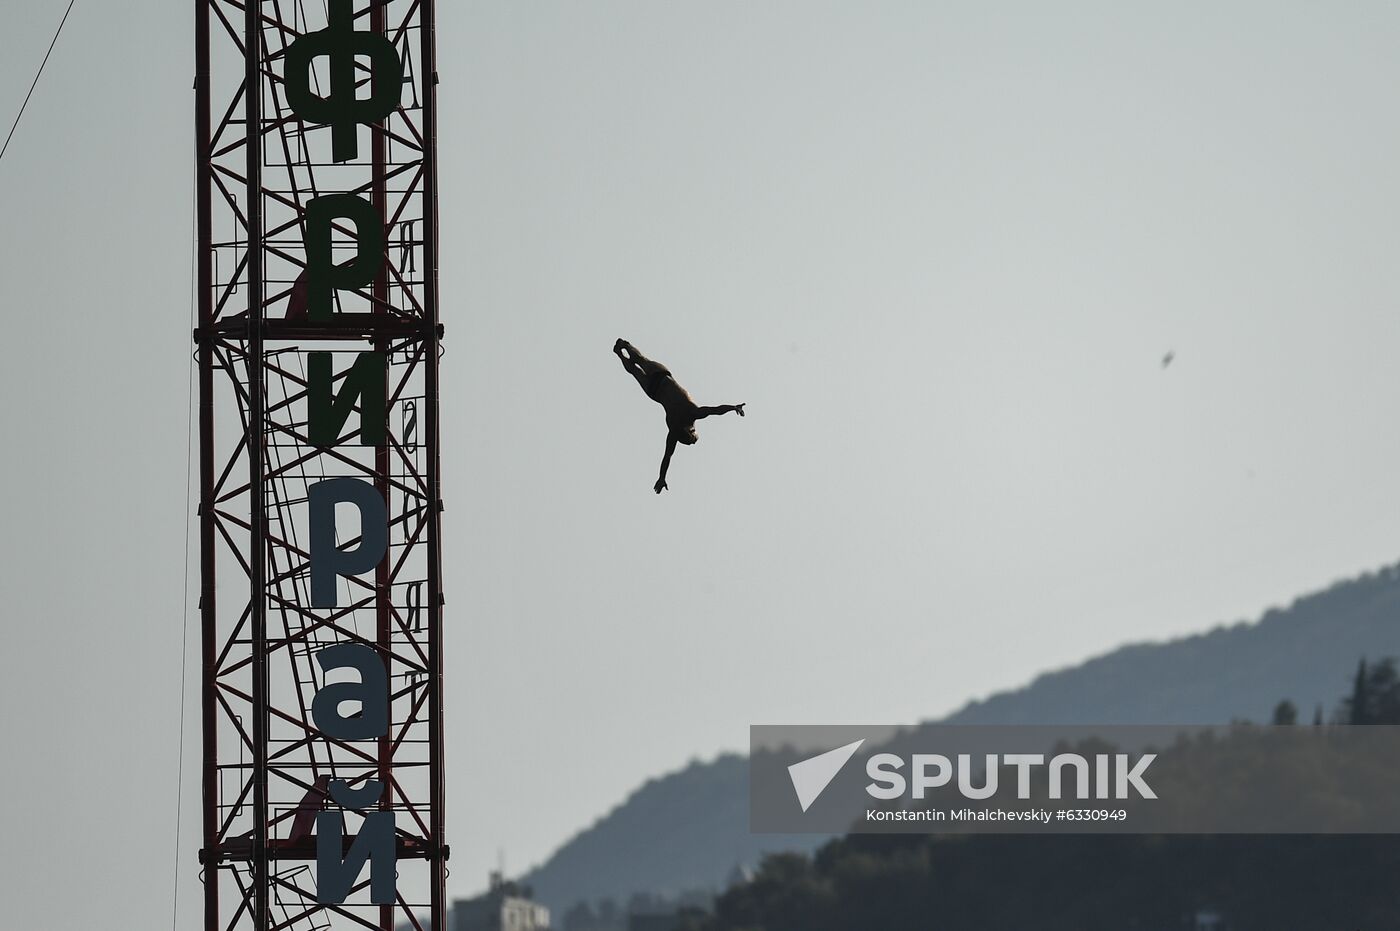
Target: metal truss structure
(266, 765)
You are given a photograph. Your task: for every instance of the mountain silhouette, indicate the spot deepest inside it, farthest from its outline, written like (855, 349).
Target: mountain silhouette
(688, 830)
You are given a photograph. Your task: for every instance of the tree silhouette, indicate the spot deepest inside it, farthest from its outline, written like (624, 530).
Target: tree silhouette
(1375, 695)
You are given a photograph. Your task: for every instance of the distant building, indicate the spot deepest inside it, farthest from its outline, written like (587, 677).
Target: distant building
(506, 906)
(645, 911)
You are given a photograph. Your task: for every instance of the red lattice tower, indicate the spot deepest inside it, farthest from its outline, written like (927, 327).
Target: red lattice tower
(312, 320)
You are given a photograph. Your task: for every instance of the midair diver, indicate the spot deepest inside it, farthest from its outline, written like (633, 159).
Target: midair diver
(681, 410)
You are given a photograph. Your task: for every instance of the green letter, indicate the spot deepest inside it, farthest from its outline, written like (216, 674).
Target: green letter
(328, 412)
(341, 110)
(322, 274)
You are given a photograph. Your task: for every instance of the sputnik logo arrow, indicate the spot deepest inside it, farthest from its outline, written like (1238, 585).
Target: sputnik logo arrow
(811, 776)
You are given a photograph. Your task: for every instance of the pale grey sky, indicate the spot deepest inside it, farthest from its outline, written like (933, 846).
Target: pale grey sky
(938, 248)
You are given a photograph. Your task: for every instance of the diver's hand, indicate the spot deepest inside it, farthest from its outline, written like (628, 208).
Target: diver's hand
(659, 486)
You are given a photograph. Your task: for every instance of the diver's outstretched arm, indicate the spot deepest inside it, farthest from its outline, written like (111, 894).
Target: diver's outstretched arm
(665, 464)
(721, 409)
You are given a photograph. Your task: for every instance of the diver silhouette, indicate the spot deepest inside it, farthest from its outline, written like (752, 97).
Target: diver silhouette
(681, 410)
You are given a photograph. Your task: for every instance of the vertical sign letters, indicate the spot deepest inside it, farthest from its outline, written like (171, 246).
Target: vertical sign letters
(338, 867)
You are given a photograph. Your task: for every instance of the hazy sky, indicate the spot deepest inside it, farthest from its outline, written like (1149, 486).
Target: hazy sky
(939, 249)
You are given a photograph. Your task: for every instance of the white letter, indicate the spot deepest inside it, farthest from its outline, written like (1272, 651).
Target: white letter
(1081, 769)
(924, 781)
(1134, 775)
(881, 767)
(1023, 763)
(965, 777)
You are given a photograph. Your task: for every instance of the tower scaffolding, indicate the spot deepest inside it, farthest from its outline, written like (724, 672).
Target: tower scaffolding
(266, 765)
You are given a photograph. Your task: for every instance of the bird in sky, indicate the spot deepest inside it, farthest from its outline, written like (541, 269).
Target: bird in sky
(1167, 359)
